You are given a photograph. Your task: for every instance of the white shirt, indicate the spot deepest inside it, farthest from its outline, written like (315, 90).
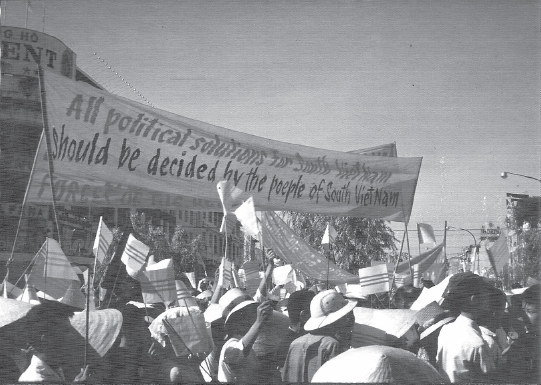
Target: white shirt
(463, 355)
(234, 365)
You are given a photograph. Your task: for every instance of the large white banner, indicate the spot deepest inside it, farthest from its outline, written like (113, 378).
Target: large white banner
(110, 151)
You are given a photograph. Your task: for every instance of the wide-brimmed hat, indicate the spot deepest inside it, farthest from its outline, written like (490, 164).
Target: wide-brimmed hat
(327, 307)
(231, 299)
(213, 312)
(242, 305)
(104, 326)
(12, 310)
(431, 318)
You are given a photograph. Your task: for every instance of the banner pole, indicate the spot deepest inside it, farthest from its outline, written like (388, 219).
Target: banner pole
(409, 252)
(10, 259)
(395, 267)
(48, 141)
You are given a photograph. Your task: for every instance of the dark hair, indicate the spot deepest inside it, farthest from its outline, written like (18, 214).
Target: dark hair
(405, 296)
(39, 319)
(297, 302)
(531, 295)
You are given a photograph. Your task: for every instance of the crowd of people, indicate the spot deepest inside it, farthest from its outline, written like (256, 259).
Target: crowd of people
(475, 333)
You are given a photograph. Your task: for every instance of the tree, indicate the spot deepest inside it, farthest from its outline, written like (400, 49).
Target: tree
(183, 250)
(359, 240)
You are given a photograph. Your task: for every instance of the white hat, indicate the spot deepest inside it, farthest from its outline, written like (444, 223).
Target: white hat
(327, 307)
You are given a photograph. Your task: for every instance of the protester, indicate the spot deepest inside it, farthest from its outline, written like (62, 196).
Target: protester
(463, 355)
(405, 296)
(238, 362)
(330, 328)
(431, 319)
(56, 341)
(298, 310)
(523, 355)
(491, 329)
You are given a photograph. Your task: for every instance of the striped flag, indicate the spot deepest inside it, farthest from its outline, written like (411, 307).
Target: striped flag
(184, 296)
(374, 279)
(134, 256)
(51, 262)
(252, 279)
(225, 273)
(158, 282)
(103, 240)
(430, 265)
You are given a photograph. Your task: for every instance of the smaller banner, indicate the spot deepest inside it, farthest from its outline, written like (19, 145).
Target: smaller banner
(282, 275)
(329, 236)
(246, 215)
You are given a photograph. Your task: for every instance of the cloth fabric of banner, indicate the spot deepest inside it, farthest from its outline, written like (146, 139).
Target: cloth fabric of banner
(374, 279)
(278, 236)
(499, 253)
(134, 256)
(103, 240)
(111, 151)
(426, 233)
(431, 264)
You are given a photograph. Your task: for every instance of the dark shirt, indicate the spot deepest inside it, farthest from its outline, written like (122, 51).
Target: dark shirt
(523, 359)
(306, 355)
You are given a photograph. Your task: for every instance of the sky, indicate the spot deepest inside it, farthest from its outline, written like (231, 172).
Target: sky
(454, 82)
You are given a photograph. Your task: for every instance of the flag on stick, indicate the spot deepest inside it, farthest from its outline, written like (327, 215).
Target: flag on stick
(158, 282)
(103, 240)
(246, 215)
(329, 236)
(498, 253)
(55, 262)
(134, 256)
(426, 233)
(224, 278)
(374, 279)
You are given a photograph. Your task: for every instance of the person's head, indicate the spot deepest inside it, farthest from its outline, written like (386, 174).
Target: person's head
(405, 296)
(530, 302)
(49, 336)
(298, 306)
(331, 314)
(241, 318)
(469, 294)
(495, 310)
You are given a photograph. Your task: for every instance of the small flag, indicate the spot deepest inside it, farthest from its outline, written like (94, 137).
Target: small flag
(498, 253)
(182, 290)
(329, 236)
(224, 278)
(56, 264)
(103, 240)
(229, 194)
(158, 282)
(184, 296)
(252, 279)
(282, 275)
(426, 233)
(134, 256)
(191, 277)
(374, 279)
(246, 215)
